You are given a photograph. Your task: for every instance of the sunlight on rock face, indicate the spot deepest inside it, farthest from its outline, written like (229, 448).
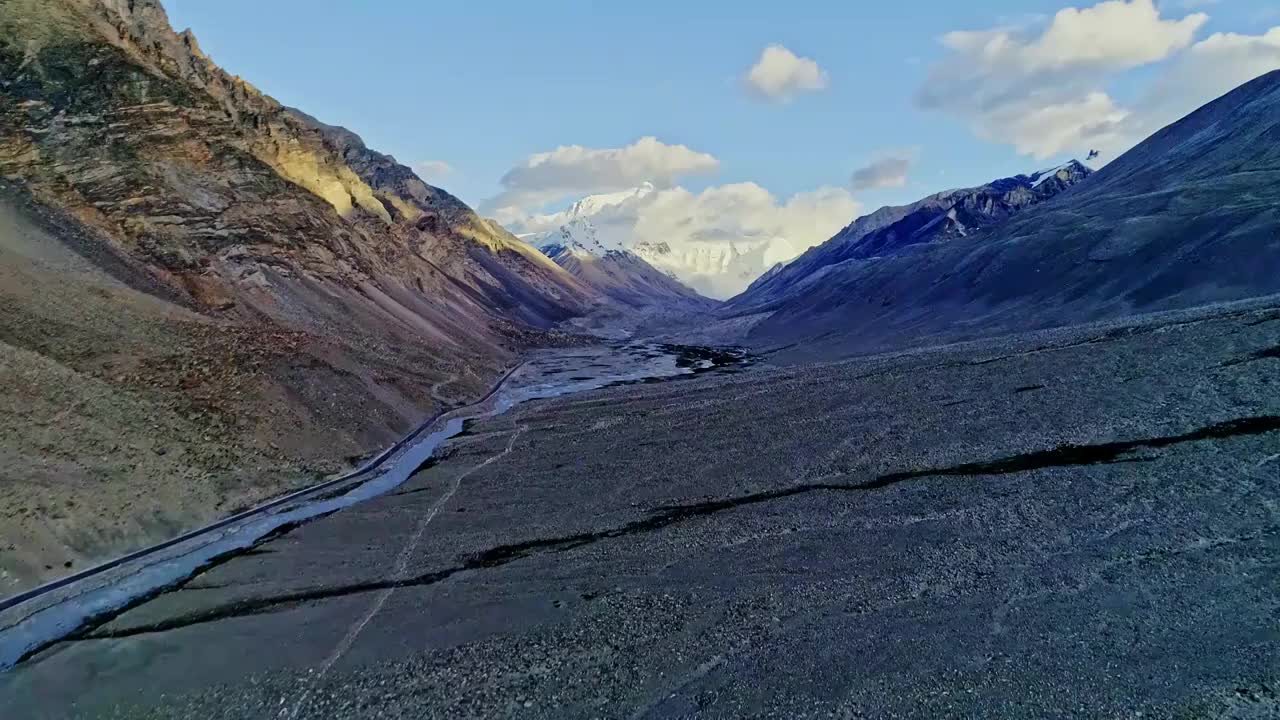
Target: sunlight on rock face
(337, 186)
(406, 209)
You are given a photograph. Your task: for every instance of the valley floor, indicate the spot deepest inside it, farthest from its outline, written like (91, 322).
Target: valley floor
(1079, 523)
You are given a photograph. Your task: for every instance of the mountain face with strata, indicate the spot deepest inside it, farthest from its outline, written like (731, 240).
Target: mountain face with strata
(1185, 218)
(209, 179)
(209, 297)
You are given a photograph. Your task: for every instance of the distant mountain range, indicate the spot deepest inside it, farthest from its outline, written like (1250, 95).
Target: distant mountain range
(613, 270)
(727, 266)
(1187, 217)
(716, 267)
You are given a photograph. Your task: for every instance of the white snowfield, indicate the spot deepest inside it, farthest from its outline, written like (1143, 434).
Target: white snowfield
(1044, 175)
(717, 267)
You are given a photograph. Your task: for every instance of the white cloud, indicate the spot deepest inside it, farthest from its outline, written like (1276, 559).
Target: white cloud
(722, 237)
(1112, 34)
(742, 211)
(888, 170)
(1209, 69)
(1091, 121)
(780, 75)
(719, 213)
(433, 170)
(575, 170)
(1045, 93)
(1115, 34)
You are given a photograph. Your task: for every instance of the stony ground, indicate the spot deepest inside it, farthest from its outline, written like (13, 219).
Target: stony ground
(1082, 523)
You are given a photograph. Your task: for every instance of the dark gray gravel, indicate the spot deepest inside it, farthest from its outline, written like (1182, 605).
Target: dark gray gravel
(1083, 523)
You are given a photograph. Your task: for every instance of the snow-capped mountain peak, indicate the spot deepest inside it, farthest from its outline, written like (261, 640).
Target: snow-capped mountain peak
(1070, 170)
(593, 204)
(577, 236)
(718, 262)
(611, 268)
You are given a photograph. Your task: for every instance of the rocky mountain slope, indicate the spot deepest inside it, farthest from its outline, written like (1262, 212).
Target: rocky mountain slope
(937, 218)
(210, 297)
(614, 271)
(1187, 217)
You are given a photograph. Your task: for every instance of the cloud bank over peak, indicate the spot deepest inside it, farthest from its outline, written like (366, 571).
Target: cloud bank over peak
(736, 212)
(572, 170)
(717, 239)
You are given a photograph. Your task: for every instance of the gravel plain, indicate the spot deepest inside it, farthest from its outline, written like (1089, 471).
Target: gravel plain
(1076, 523)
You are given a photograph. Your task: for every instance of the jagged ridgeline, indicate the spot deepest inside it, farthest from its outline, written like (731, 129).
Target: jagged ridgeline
(197, 173)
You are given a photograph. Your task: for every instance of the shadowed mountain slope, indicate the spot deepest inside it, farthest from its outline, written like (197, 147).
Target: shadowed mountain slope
(1188, 217)
(940, 217)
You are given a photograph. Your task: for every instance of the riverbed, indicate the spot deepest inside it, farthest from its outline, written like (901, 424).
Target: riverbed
(54, 614)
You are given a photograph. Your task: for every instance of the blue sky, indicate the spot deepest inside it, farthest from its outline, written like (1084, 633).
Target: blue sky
(482, 86)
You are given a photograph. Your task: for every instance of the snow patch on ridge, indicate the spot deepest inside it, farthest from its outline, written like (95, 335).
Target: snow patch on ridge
(578, 236)
(1044, 175)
